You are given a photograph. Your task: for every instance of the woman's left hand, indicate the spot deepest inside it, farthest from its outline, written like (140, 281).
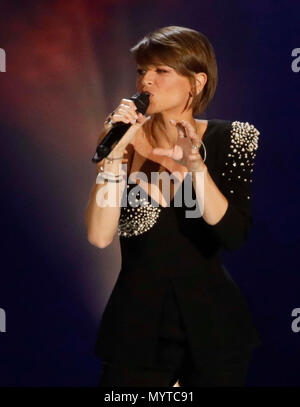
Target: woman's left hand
(183, 152)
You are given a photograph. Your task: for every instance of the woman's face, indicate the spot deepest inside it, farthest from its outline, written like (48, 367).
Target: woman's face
(169, 90)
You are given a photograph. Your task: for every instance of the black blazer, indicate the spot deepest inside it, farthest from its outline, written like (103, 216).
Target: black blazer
(163, 248)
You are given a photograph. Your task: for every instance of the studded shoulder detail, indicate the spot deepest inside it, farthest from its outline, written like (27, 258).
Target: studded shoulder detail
(135, 220)
(240, 158)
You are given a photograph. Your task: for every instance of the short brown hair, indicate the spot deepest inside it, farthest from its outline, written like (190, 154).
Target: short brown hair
(185, 50)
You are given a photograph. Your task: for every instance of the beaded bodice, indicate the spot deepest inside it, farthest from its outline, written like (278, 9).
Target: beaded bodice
(139, 215)
(233, 169)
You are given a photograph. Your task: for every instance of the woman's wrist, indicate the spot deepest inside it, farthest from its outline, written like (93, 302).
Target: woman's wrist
(112, 164)
(197, 164)
(115, 155)
(113, 173)
(108, 177)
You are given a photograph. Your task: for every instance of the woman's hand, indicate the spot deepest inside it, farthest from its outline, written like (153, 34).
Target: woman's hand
(183, 152)
(126, 113)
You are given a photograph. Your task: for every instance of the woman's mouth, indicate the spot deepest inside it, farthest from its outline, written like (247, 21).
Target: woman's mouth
(150, 94)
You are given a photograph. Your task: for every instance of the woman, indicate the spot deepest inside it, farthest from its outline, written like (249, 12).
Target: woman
(174, 312)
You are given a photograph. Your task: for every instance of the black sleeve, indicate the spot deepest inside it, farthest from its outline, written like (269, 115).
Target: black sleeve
(240, 145)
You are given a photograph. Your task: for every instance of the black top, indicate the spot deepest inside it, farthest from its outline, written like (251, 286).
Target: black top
(161, 247)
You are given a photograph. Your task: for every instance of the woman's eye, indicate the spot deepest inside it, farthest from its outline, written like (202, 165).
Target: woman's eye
(140, 71)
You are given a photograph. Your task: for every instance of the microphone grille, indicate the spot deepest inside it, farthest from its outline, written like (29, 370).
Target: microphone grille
(141, 101)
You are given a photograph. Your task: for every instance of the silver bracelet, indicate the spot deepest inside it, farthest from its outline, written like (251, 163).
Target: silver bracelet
(110, 160)
(100, 176)
(110, 175)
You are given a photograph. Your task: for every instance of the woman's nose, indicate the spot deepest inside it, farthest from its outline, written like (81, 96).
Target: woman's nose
(148, 78)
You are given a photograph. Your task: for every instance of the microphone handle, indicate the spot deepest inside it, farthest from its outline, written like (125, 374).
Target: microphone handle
(112, 137)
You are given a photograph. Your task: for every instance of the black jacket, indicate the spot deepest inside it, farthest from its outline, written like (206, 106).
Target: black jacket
(162, 247)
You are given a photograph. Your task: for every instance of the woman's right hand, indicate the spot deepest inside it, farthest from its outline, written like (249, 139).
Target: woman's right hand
(126, 113)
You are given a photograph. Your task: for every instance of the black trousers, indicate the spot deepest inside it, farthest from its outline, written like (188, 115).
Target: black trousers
(174, 362)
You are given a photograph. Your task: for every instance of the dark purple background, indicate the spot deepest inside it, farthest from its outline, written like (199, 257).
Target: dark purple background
(64, 75)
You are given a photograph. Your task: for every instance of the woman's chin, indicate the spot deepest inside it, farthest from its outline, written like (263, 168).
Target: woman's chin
(152, 109)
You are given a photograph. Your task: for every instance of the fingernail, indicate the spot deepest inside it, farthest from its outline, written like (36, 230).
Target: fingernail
(172, 121)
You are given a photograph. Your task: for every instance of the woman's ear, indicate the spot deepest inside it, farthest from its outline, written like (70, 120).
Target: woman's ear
(200, 79)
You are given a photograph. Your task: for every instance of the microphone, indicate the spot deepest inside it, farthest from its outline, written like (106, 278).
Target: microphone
(118, 129)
